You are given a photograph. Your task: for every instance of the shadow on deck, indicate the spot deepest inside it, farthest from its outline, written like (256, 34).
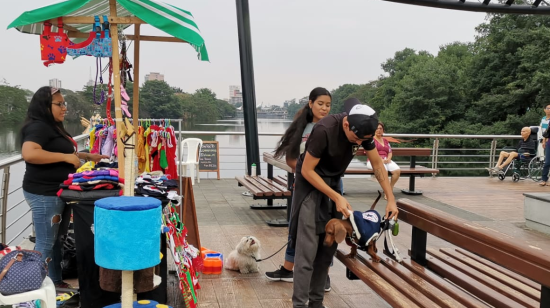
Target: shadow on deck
(224, 217)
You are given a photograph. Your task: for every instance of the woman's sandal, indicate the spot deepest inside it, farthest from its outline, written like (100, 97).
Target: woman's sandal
(543, 184)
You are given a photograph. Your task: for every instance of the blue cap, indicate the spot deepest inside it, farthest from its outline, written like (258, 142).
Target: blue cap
(366, 225)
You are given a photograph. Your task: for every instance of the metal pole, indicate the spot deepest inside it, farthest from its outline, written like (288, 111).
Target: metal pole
(180, 166)
(247, 82)
(5, 188)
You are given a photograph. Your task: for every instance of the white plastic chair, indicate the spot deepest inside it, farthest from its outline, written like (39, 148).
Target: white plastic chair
(194, 146)
(46, 294)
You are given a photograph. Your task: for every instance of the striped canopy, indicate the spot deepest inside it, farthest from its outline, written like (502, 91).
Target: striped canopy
(163, 16)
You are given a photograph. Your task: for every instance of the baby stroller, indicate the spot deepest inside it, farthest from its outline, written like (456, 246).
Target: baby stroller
(529, 162)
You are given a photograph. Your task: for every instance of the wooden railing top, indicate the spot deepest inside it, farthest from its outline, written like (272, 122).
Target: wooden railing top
(503, 249)
(403, 152)
(277, 162)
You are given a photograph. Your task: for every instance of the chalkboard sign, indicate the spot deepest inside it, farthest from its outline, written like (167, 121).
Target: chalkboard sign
(210, 157)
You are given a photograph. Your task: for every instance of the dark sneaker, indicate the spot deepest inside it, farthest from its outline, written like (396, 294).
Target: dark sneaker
(327, 284)
(282, 274)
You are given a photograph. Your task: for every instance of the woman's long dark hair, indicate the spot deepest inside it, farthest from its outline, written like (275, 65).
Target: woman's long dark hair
(289, 144)
(40, 109)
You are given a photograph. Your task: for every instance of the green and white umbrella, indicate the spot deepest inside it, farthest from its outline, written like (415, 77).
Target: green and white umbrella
(168, 18)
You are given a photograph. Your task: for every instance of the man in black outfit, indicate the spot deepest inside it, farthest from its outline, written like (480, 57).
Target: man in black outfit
(330, 148)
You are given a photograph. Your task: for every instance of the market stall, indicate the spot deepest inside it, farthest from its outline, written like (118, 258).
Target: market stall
(95, 28)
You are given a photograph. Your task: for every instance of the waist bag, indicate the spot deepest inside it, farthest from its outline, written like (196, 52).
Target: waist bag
(21, 271)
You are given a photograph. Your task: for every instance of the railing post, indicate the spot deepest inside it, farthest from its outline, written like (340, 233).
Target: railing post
(435, 155)
(492, 155)
(419, 241)
(5, 188)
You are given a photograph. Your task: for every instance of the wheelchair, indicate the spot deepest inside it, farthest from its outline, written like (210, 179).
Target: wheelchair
(528, 164)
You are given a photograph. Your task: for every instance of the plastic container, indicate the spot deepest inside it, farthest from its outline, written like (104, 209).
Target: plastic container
(213, 263)
(253, 170)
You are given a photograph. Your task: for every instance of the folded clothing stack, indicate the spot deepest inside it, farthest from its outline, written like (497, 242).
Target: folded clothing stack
(91, 185)
(157, 186)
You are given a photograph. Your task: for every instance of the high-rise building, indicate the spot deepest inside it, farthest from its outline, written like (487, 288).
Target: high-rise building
(90, 82)
(235, 95)
(55, 83)
(154, 76)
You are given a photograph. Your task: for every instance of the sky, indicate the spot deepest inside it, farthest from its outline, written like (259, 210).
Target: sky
(297, 45)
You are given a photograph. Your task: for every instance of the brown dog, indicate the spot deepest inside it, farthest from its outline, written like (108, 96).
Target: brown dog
(338, 230)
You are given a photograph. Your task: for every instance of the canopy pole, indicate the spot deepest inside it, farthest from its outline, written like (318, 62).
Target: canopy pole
(247, 81)
(135, 108)
(116, 76)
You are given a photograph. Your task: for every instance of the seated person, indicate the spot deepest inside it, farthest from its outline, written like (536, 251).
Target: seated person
(384, 150)
(527, 148)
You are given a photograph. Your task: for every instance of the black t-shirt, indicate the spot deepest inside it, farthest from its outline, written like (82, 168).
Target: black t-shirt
(45, 179)
(328, 142)
(527, 146)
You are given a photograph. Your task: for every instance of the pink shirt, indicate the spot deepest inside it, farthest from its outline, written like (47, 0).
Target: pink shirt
(383, 149)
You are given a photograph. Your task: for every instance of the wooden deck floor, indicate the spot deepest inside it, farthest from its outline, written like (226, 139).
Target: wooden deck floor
(224, 217)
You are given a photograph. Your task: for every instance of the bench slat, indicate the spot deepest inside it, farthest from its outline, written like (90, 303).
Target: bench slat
(501, 269)
(443, 285)
(276, 191)
(401, 285)
(280, 180)
(256, 182)
(433, 292)
(375, 282)
(494, 274)
(469, 280)
(248, 185)
(285, 192)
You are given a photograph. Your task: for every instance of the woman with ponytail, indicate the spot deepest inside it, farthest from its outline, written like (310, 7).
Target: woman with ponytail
(291, 145)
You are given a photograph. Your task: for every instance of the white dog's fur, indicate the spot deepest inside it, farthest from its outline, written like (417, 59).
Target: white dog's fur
(244, 257)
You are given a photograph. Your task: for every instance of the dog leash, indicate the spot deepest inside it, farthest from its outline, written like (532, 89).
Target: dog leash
(260, 260)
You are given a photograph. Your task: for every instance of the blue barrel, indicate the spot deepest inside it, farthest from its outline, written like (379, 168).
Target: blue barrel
(127, 232)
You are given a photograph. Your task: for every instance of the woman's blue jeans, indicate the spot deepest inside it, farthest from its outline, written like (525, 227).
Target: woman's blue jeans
(546, 166)
(51, 220)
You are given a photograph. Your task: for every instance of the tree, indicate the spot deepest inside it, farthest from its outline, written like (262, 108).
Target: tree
(13, 105)
(339, 95)
(157, 100)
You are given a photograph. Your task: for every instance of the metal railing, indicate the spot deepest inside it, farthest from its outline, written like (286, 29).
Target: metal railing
(235, 159)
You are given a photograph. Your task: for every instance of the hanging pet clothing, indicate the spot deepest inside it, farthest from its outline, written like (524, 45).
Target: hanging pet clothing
(53, 46)
(98, 44)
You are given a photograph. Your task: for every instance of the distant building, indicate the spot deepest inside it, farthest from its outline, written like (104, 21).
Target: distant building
(154, 76)
(235, 95)
(55, 83)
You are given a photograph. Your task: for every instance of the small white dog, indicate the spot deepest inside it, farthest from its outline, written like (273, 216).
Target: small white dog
(244, 257)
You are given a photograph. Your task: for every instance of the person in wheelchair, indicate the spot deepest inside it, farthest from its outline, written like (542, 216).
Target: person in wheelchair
(526, 150)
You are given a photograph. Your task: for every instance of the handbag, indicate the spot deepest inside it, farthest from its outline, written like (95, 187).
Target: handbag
(22, 271)
(53, 46)
(546, 133)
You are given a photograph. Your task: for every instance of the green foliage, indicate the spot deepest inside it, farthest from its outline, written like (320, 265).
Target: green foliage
(340, 95)
(13, 105)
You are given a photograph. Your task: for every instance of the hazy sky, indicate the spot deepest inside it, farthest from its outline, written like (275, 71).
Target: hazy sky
(297, 45)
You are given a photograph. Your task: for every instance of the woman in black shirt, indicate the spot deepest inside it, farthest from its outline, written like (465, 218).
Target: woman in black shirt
(50, 154)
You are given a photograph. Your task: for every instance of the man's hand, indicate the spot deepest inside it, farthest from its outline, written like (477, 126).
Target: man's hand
(544, 144)
(343, 206)
(391, 207)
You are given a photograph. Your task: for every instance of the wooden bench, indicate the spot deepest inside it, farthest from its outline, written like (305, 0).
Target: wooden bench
(487, 269)
(412, 171)
(270, 188)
